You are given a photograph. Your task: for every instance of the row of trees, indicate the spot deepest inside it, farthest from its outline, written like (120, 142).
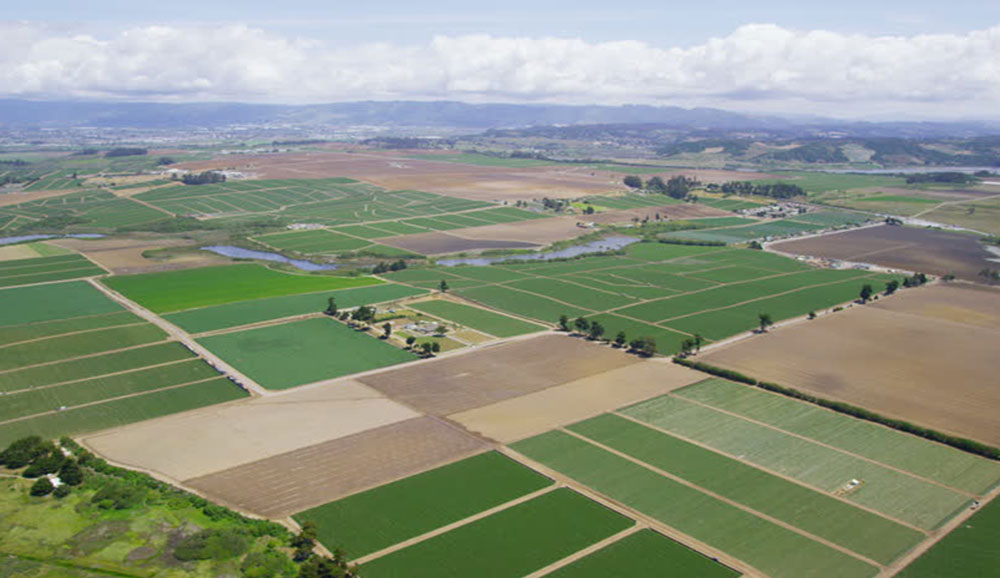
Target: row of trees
(205, 178)
(773, 190)
(384, 267)
(676, 187)
(595, 331)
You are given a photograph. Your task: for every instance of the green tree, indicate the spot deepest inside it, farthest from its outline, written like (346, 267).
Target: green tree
(596, 331)
(426, 347)
(581, 325)
(443, 286)
(563, 323)
(764, 319)
(648, 347)
(70, 473)
(410, 341)
(42, 487)
(304, 542)
(620, 339)
(866, 292)
(637, 344)
(435, 347)
(891, 286)
(331, 307)
(386, 330)
(656, 185)
(633, 182)
(698, 340)
(687, 346)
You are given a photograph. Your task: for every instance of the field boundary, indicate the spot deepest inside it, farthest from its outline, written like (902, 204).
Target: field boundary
(964, 444)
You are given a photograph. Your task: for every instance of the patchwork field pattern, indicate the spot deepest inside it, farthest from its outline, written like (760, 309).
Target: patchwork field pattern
(476, 318)
(667, 292)
(73, 361)
(92, 209)
(46, 269)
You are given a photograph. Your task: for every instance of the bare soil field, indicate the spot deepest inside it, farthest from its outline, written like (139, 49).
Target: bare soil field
(123, 256)
(291, 482)
(247, 431)
(395, 171)
(14, 252)
(925, 250)
(927, 356)
(670, 212)
(944, 195)
(521, 417)
(15, 197)
(495, 373)
(520, 235)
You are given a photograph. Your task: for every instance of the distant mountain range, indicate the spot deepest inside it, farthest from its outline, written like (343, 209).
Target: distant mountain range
(24, 114)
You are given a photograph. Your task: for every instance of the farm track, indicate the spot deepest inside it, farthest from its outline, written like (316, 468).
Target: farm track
(183, 337)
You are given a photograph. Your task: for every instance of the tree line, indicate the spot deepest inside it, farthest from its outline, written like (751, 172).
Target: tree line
(204, 178)
(676, 187)
(773, 190)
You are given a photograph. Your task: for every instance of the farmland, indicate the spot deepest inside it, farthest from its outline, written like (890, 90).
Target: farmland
(46, 269)
(911, 249)
(207, 286)
(888, 358)
(299, 352)
(970, 550)
(667, 292)
(74, 361)
(85, 210)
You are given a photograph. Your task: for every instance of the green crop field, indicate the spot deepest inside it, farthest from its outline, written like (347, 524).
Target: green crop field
(668, 292)
(769, 547)
(315, 241)
(969, 550)
(300, 352)
(87, 210)
(93, 366)
(818, 182)
(123, 411)
(378, 518)
(476, 318)
(46, 269)
(943, 464)
(781, 228)
(52, 302)
(509, 544)
(17, 333)
(858, 530)
(178, 290)
(76, 344)
(888, 491)
(833, 218)
(645, 554)
(204, 319)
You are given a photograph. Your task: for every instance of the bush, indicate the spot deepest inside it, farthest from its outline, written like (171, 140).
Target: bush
(692, 242)
(62, 491)
(268, 564)
(70, 473)
(118, 495)
(25, 451)
(42, 487)
(217, 544)
(47, 464)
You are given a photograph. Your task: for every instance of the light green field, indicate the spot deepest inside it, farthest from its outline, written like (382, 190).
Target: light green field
(378, 518)
(300, 352)
(771, 548)
(476, 318)
(884, 490)
(316, 241)
(815, 512)
(96, 365)
(30, 331)
(178, 290)
(246, 312)
(645, 554)
(509, 544)
(46, 269)
(969, 550)
(938, 462)
(53, 302)
(521, 303)
(123, 411)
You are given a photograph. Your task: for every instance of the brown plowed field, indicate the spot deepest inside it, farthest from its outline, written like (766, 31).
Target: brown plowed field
(123, 256)
(927, 356)
(908, 248)
(521, 417)
(282, 485)
(496, 373)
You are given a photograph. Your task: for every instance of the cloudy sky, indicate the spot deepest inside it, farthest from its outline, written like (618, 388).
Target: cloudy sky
(860, 59)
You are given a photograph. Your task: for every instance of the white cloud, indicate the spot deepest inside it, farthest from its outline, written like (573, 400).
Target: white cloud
(757, 66)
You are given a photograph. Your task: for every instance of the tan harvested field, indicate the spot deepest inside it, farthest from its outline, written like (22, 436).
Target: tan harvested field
(907, 248)
(123, 256)
(305, 478)
(523, 234)
(13, 252)
(495, 373)
(927, 356)
(175, 446)
(521, 417)
(395, 171)
(16, 197)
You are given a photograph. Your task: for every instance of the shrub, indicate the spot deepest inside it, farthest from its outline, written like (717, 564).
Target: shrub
(62, 491)
(118, 495)
(42, 487)
(24, 451)
(46, 464)
(216, 544)
(268, 564)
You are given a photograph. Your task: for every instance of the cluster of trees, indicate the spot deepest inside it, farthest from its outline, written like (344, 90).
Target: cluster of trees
(14, 163)
(676, 187)
(915, 280)
(990, 274)
(947, 177)
(205, 178)
(125, 152)
(384, 267)
(594, 331)
(773, 190)
(427, 348)
(556, 205)
(41, 458)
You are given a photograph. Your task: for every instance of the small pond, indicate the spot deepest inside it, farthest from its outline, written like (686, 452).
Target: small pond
(241, 253)
(600, 246)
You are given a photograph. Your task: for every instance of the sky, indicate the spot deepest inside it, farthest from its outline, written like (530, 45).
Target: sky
(882, 59)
